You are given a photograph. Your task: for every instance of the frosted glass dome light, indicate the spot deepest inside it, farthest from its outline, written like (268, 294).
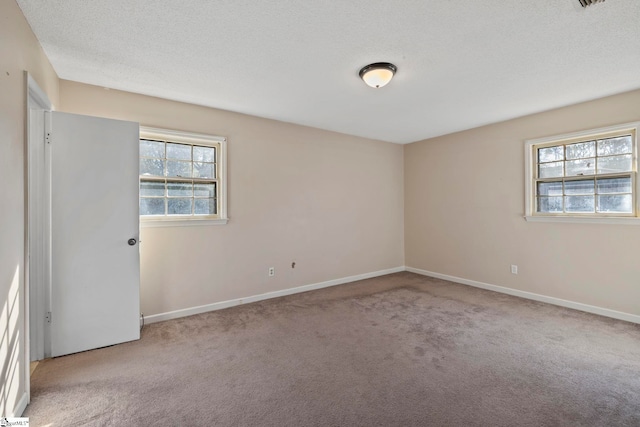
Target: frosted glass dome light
(378, 74)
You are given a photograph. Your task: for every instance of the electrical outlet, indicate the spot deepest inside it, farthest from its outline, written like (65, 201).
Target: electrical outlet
(272, 271)
(514, 269)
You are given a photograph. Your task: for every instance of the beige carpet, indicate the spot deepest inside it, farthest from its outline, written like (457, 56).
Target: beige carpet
(400, 350)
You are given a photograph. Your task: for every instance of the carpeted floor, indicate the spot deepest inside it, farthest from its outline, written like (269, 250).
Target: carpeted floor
(399, 350)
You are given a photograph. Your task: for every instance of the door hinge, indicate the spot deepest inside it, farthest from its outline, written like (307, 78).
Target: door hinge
(48, 317)
(48, 137)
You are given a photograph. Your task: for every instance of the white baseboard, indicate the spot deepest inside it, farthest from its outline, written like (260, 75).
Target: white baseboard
(20, 407)
(529, 295)
(275, 294)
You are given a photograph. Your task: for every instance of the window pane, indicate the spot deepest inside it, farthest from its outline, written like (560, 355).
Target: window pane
(581, 150)
(151, 206)
(550, 188)
(551, 170)
(549, 204)
(151, 149)
(151, 188)
(179, 206)
(615, 203)
(204, 190)
(579, 187)
(581, 167)
(152, 167)
(204, 154)
(205, 206)
(550, 154)
(175, 189)
(203, 170)
(613, 146)
(614, 164)
(178, 151)
(180, 169)
(579, 203)
(614, 185)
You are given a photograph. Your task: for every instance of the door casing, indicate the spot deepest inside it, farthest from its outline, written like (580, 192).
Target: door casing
(35, 226)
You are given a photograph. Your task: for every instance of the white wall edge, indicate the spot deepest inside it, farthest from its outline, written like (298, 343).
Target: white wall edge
(21, 406)
(529, 295)
(275, 294)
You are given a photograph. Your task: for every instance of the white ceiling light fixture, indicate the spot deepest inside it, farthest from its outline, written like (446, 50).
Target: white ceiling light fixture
(378, 74)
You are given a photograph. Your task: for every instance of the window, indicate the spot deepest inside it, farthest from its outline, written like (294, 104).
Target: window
(588, 175)
(182, 177)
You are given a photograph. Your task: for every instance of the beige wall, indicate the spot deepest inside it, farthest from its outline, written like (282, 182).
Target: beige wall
(331, 203)
(19, 51)
(464, 207)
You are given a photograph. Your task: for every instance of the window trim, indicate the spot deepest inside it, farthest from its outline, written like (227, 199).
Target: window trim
(530, 147)
(176, 136)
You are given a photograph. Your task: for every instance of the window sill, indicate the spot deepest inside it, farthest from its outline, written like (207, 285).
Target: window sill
(584, 220)
(180, 222)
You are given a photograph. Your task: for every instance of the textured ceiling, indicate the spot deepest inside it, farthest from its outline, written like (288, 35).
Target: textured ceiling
(461, 63)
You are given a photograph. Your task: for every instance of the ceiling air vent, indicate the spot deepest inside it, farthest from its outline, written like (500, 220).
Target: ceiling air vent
(585, 3)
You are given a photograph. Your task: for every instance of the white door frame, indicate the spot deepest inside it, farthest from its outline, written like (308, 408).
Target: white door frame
(36, 226)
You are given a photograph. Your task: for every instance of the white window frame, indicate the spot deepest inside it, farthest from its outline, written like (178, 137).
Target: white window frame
(532, 145)
(175, 136)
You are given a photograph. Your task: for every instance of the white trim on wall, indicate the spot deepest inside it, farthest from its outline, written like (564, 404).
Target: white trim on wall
(35, 92)
(275, 294)
(35, 282)
(495, 288)
(530, 295)
(21, 405)
(585, 220)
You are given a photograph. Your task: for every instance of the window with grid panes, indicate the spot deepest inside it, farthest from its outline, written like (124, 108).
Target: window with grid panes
(591, 175)
(179, 175)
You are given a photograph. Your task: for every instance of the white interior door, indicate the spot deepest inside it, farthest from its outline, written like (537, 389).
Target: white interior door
(95, 268)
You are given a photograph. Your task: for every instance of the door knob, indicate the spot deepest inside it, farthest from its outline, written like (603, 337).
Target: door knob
(131, 242)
